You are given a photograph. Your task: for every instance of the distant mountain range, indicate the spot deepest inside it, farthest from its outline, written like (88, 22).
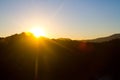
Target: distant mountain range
(103, 39)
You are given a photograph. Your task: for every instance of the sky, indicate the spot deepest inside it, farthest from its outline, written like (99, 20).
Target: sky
(75, 19)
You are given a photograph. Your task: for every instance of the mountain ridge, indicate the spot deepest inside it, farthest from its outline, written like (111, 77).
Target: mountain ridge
(99, 39)
(104, 39)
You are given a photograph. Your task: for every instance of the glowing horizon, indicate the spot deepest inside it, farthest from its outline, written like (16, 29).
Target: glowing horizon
(37, 32)
(75, 19)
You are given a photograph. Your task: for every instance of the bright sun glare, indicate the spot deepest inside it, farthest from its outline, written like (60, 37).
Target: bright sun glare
(37, 32)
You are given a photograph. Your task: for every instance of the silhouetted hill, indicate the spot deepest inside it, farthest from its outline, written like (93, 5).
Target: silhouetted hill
(21, 55)
(112, 37)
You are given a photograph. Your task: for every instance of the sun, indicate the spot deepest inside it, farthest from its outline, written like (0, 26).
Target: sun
(37, 32)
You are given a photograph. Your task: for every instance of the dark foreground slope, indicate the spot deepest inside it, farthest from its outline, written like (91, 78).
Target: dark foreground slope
(58, 59)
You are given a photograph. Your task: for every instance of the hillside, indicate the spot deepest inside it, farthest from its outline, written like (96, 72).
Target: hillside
(58, 59)
(104, 39)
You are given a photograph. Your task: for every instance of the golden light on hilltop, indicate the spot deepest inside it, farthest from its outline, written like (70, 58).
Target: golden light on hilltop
(37, 32)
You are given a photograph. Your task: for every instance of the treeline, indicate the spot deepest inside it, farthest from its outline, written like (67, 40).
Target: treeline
(58, 59)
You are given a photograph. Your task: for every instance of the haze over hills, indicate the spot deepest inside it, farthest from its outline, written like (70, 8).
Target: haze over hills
(103, 39)
(100, 39)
